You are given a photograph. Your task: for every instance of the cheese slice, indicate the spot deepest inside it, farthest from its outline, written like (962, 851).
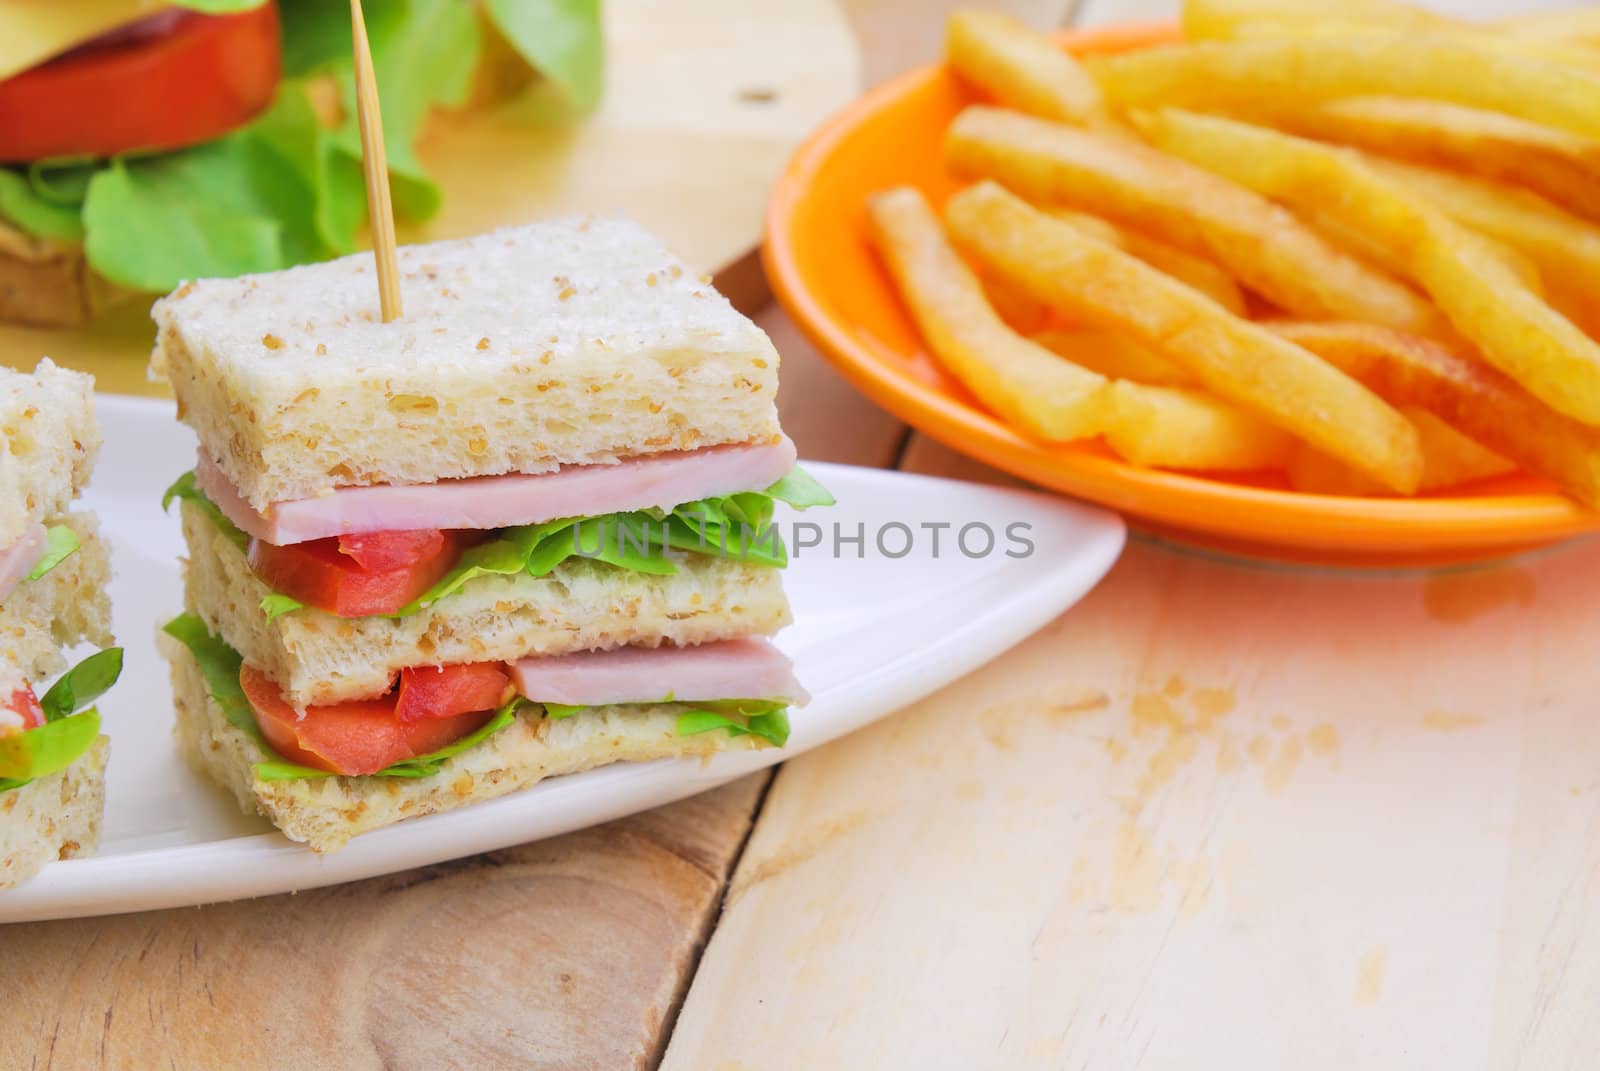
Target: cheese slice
(32, 31)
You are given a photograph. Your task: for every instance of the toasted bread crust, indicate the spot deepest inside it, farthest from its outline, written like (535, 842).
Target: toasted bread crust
(50, 283)
(324, 813)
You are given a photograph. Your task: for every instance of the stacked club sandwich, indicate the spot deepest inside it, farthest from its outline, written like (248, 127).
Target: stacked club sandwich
(53, 574)
(520, 531)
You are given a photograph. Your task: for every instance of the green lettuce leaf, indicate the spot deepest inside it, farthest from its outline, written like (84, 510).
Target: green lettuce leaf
(66, 733)
(220, 664)
(275, 606)
(766, 718)
(36, 753)
(21, 205)
(184, 487)
(560, 39)
(61, 543)
(738, 525)
(82, 684)
(801, 490)
(284, 190)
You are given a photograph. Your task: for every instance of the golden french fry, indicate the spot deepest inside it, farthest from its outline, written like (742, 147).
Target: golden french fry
(1260, 244)
(1392, 260)
(1560, 244)
(1041, 394)
(1205, 20)
(1186, 428)
(1237, 19)
(1238, 360)
(1115, 356)
(1022, 68)
(1470, 396)
(1483, 297)
(1224, 74)
(1020, 312)
(1197, 272)
(1449, 459)
(1576, 25)
(1560, 165)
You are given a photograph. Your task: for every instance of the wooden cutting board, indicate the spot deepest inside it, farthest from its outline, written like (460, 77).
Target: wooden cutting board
(705, 100)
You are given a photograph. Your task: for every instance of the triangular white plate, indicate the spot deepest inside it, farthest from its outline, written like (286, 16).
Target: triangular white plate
(873, 632)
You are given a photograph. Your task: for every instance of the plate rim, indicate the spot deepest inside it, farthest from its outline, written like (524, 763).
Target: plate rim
(262, 864)
(1265, 517)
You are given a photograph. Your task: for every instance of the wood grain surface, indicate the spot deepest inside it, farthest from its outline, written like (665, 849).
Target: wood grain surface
(568, 953)
(1219, 815)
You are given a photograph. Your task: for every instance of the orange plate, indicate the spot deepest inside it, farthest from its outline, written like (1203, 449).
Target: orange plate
(824, 272)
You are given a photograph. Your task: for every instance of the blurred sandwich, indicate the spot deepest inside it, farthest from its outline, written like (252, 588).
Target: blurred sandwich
(522, 531)
(53, 574)
(143, 142)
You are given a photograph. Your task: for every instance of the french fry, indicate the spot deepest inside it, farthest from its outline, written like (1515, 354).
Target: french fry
(1449, 459)
(1483, 297)
(1260, 244)
(1026, 384)
(1197, 272)
(1224, 20)
(1224, 74)
(1186, 428)
(1236, 359)
(1371, 248)
(1560, 244)
(1236, 19)
(1022, 68)
(1562, 166)
(1115, 356)
(1579, 25)
(1470, 396)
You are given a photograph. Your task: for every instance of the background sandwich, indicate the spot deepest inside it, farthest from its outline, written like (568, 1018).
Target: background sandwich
(53, 573)
(416, 548)
(232, 146)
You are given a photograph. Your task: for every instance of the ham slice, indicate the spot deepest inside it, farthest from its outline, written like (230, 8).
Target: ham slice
(658, 481)
(750, 668)
(18, 560)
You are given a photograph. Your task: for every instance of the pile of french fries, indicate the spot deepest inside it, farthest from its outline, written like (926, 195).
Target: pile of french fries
(1352, 240)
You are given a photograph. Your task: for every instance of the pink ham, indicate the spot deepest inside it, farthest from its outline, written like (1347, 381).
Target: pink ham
(750, 668)
(18, 560)
(659, 481)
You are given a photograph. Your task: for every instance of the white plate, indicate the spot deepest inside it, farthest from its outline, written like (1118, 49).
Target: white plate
(872, 633)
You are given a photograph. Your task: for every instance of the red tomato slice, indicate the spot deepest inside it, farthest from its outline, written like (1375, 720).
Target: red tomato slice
(192, 82)
(322, 574)
(25, 703)
(441, 691)
(381, 551)
(350, 739)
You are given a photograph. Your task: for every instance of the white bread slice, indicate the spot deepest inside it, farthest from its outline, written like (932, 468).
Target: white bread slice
(324, 813)
(48, 442)
(55, 817)
(570, 342)
(319, 658)
(67, 605)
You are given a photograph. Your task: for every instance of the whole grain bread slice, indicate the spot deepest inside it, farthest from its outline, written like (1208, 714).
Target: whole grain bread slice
(324, 813)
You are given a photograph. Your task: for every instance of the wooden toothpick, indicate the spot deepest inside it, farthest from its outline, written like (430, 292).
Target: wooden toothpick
(376, 164)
